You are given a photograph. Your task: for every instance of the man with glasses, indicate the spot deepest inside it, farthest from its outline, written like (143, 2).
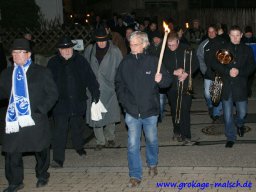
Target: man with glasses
(32, 94)
(137, 86)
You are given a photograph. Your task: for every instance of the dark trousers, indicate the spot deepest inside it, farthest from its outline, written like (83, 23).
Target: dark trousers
(182, 128)
(60, 133)
(14, 170)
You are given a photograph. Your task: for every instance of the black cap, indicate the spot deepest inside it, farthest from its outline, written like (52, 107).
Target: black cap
(248, 29)
(65, 42)
(21, 44)
(157, 34)
(101, 35)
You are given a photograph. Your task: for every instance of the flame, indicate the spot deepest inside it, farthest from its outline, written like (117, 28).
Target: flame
(166, 28)
(187, 25)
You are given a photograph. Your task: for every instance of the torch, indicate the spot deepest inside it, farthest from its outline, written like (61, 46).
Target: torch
(166, 31)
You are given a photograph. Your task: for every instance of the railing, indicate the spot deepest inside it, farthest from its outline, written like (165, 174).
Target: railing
(46, 40)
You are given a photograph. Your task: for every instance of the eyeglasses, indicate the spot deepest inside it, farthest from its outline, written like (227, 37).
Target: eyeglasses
(135, 45)
(19, 52)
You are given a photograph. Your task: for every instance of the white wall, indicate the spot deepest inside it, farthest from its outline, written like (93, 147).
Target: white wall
(51, 9)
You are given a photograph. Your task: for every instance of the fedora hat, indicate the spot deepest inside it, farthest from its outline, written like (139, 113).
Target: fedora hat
(21, 44)
(101, 35)
(65, 42)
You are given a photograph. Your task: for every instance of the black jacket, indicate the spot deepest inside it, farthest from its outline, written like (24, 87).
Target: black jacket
(175, 59)
(42, 94)
(136, 88)
(210, 50)
(72, 77)
(244, 62)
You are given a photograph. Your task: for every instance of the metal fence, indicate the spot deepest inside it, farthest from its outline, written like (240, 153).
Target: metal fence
(46, 40)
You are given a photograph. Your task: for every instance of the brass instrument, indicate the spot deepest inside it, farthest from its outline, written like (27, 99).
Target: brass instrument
(190, 85)
(224, 57)
(181, 86)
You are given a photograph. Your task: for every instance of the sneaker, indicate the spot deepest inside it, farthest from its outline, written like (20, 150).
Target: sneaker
(110, 143)
(98, 147)
(133, 183)
(152, 171)
(56, 164)
(81, 152)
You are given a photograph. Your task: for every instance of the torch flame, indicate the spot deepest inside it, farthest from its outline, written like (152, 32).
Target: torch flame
(166, 28)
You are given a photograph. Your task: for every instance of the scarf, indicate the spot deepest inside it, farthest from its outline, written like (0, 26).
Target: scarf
(101, 52)
(18, 111)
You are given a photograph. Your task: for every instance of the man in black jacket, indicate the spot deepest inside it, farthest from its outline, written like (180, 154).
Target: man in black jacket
(206, 54)
(72, 74)
(32, 94)
(235, 77)
(137, 86)
(180, 61)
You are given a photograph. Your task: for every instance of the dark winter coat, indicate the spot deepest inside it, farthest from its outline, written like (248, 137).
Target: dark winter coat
(175, 59)
(244, 62)
(72, 77)
(42, 94)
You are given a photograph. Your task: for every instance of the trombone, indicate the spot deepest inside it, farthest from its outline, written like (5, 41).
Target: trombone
(181, 86)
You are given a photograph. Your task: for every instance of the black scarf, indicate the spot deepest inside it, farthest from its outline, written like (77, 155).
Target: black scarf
(101, 52)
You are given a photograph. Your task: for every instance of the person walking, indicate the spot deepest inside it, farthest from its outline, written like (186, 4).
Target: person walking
(72, 74)
(235, 76)
(137, 86)
(32, 94)
(104, 58)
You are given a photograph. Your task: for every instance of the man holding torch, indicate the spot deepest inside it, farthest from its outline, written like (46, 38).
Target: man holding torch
(137, 86)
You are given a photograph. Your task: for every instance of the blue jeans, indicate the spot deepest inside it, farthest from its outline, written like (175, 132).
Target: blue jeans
(216, 109)
(162, 104)
(134, 135)
(241, 108)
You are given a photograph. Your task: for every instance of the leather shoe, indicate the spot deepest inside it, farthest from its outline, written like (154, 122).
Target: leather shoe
(81, 152)
(240, 131)
(14, 188)
(99, 147)
(56, 164)
(229, 144)
(42, 183)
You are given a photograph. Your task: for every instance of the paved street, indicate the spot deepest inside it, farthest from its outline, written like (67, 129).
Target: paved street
(206, 166)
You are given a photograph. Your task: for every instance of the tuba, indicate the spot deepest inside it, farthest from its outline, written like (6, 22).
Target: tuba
(224, 57)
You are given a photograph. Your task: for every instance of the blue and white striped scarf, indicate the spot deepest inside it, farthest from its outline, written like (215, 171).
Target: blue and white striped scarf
(18, 111)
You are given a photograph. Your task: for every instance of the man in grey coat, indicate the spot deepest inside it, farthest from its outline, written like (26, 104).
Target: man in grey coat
(32, 94)
(104, 58)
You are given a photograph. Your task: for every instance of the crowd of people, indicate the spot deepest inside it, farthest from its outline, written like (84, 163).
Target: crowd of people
(119, 74)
